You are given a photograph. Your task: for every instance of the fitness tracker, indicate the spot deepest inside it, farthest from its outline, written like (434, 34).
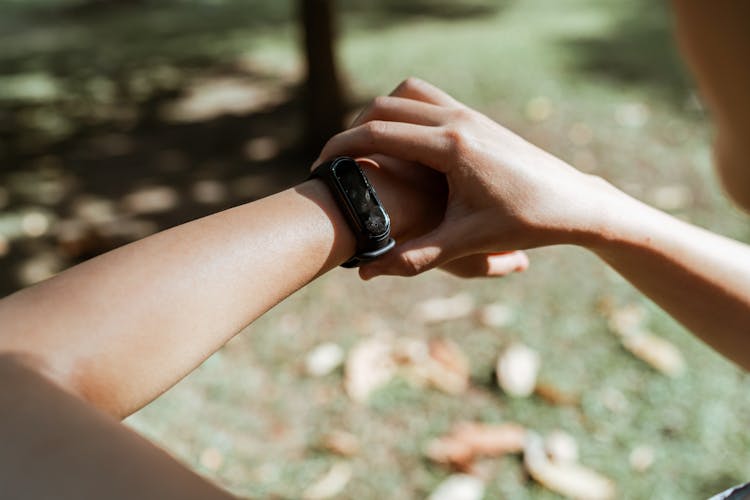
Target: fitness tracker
(361, 207)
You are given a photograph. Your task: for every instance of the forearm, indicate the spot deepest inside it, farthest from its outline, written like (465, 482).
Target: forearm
(120, 329)
(700, 278)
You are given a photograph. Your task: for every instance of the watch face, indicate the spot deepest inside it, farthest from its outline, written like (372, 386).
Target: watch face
(362, 198)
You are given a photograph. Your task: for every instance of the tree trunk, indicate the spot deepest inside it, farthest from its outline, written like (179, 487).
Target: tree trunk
(324, 98)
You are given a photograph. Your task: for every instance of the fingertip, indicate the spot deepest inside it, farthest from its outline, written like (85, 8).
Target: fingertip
(367, 273)
(523, 262)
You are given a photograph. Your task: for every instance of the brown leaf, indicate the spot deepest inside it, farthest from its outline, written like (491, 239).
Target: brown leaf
(444, 308)
(449, 367)
(656, 351)
(341, 443)
(553, 395)
(369, 366)
(470, 440)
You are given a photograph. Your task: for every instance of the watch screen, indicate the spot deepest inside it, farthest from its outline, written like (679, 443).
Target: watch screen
(361, 198)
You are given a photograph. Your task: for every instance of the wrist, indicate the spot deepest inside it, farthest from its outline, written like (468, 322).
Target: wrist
(618, 220)
(337, 237)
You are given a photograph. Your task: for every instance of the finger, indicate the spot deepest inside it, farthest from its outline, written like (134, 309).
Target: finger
(399, 109)
(418, 176)
(487, 265)
(409, 142)
(415, 257)
(420, 90)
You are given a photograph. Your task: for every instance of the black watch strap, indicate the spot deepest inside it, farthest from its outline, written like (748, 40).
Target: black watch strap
(360, 206)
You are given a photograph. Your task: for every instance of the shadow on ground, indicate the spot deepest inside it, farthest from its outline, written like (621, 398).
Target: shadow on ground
(119, 118)
(640, 49)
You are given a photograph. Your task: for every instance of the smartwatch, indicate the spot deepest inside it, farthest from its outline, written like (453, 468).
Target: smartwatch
(361, 207)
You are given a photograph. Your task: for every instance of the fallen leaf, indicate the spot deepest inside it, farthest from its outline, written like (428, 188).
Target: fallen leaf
(341, 443)
(517, 369)
(496, 315)
(470, 440)
(567, 478)
(657, 352)
(672, 197)
(459, 487)
(641, 458)
(561, 447)
(331, 484)
(627, 320)
(555, 396)
(444, 309)
(370, 365)
(324, 359)
(448, 367)
(209, 191)
(152, 199)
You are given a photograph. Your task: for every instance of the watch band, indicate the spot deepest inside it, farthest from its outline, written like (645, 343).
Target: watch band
(360, 206)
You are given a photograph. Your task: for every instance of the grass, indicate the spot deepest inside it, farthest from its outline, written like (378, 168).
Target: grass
(251, 401)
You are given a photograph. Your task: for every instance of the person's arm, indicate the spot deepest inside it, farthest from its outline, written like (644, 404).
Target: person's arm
(715, 39)
(55, 446)
(122, 328)
(505, 193)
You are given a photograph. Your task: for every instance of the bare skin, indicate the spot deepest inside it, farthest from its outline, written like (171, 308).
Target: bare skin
(505, 193)
(108, 336)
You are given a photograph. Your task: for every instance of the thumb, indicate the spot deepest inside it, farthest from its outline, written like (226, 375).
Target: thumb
(414, 257)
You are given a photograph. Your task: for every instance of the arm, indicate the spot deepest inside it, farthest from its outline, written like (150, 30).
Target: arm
(715, 39)
(505, 193)
(122, 328)
(55, 446)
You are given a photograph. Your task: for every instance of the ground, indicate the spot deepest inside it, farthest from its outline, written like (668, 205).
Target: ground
(95, 101)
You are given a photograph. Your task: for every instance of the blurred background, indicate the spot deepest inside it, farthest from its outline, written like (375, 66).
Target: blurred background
(119, 118)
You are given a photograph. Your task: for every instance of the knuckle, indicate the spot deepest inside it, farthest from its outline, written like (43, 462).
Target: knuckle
(462, 114)
(374, 130)
(380, 102)
(456, 140)
(410, 83)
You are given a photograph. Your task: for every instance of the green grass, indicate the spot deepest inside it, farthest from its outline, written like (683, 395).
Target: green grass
(251, 401)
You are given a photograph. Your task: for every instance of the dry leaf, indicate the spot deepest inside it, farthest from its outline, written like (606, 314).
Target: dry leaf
(448, 367)
(517, 369)
(152, 199)
(555, 396)
(470, 440)
(568, 478)
(370, 365)
(656, 351)
(627, 320)
(341, 443)
(444, 309)
(495, 315)
(561, 447)
(672, 197)
(331, 484)
(641, 458)
(323, 359)
(459, 487)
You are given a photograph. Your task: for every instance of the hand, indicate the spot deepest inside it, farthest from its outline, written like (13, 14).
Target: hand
(503, 192)
(415, 196)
